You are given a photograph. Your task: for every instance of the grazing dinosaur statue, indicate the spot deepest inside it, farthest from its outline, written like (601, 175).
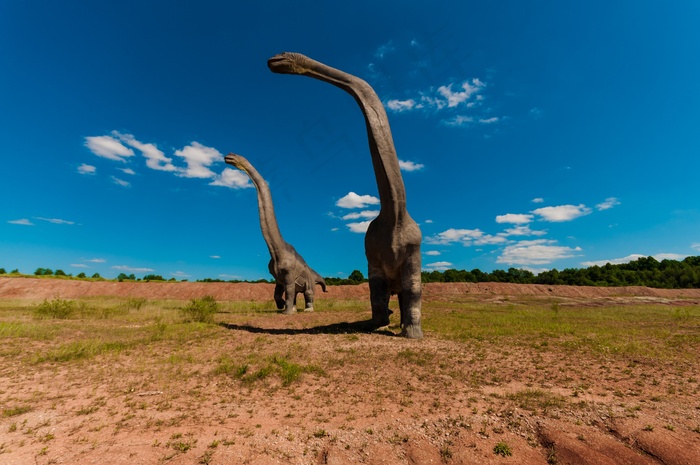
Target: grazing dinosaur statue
(392, 242)
(292, 274)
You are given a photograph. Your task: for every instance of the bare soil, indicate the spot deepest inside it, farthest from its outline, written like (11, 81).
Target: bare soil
(380, 400)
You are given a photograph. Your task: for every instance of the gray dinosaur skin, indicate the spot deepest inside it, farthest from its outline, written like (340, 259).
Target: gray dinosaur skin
(392, 242)
(292, 274)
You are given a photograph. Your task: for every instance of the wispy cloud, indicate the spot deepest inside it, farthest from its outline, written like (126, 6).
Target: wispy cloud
(120, 182)
(180, 274)
(234, 179)
(402, 105)
(633, 257)
(127, 171)
(132, 269)
(537, 200)
(360, 227)
(488, 239)
(433, 253)
(96, 260)
(23, 222)
(514, 218)
(86, 169)
(458, 120)
(535, 252)
(215, 256)
(695, 245)
(353, 200)
(410, 166)
(452, 236)
(155, 158)
(491, 120)
(108, 147)
(230, 276)
(382, 50)
(79, 265)
(562, 213)
(439, 266)
(607, 204)
(371, 214)
(456, 98)
(522, 230)
(428, 221)
(198, 159)
(54, 220)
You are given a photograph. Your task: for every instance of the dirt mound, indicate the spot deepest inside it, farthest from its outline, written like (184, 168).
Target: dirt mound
(45, 288)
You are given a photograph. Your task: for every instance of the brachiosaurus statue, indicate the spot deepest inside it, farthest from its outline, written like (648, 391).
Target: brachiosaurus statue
(292, 274)
(392, 242)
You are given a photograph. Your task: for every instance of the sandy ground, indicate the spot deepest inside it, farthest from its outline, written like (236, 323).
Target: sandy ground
(381, 399)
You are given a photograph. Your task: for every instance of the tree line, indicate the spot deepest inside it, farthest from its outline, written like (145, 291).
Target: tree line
(645, 271)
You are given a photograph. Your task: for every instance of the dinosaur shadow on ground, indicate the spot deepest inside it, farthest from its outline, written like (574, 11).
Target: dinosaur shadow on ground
(355, 327)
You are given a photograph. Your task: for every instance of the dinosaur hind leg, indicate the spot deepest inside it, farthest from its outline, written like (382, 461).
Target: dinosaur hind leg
(309, 300)
(291, 298)
(410, 297)
(379, 294)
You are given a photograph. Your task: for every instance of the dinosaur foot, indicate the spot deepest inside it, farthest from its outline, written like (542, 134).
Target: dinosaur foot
(412, 332)
(309, 309)
(290, 311)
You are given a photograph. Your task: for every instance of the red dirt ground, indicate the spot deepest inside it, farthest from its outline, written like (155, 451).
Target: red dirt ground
(371, 407)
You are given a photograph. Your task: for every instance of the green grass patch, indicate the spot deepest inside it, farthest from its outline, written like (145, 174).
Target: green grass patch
(15, 411)
(200, 310)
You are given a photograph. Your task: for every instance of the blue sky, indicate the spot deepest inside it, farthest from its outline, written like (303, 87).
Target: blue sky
(533, 135)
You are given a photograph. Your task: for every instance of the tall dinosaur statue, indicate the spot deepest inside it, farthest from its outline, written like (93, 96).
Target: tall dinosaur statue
(392, 242)
(292, 274)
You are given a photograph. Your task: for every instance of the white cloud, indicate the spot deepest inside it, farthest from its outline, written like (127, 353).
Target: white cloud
(454, 235)
(562, 212)
(155, 159)
(352, 200)
(384, 49)
(535, 252)
(108, 147)
(363, 214)
(180, 274)
(537, 200)
(402, 105)
(514, 218)
(335, 229)
(86, 169)
(23, 222)
(54, 220)
(198, 158)
(455, 98)
(489, 120)
(633, 257)
(428, 221)
(230, 276)
(535, 112)
(234, 179)
(432, 253)
(439, 266)
(695, 245)
(522, 230)
(214, 256)
(360, 227)
(458, 120)
(410, 166)
(488, 239)
(96, 260)
(608, 203)
(127, 171)
(132, 269)
(120, 182)
(79, 265)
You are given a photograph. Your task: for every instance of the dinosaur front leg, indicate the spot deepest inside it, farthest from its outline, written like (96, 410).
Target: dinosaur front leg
(410, 298)
(379, 295)
(290, 298)
(309, 298)
(279, 296)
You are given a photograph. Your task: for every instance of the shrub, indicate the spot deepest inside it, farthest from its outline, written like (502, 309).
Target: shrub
(56, 308)
(502, 449)
(200, 310)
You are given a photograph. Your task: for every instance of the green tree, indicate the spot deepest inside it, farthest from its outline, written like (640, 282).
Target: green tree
(153, 277)
(81, 275)
(96, 276)
(60, 273)
(2, 271)
(356, 277)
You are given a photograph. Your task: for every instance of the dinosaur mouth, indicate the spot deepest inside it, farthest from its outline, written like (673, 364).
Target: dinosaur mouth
(281, 63)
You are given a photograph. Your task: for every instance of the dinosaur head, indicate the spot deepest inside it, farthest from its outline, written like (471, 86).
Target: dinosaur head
(235, 160)
(288, 63)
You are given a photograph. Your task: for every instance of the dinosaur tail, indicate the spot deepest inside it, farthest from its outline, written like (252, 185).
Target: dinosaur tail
(321, 282)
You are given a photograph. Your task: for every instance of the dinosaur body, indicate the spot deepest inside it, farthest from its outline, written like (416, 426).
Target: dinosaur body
(292, 274)
(392, 242)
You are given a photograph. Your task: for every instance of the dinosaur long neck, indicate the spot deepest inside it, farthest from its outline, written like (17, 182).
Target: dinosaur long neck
(392, 193)
(268, 221)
